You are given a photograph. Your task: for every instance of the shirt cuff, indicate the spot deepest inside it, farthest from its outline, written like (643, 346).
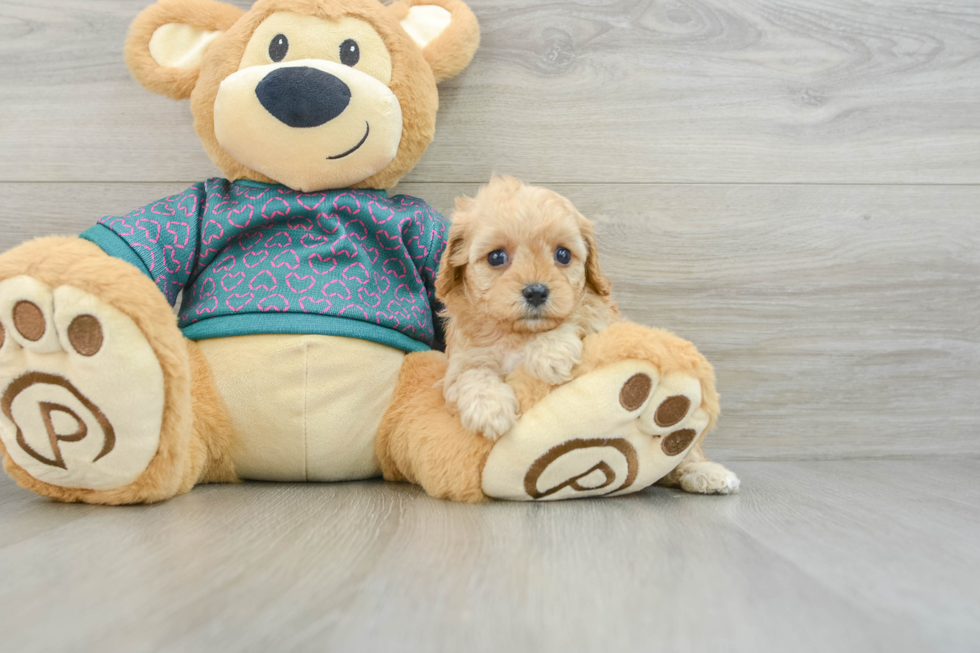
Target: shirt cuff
(114, 245)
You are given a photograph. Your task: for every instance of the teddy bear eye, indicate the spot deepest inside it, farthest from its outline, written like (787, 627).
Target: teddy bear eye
(563, 256)
(278, 48)
(496, 258)
(350, 53)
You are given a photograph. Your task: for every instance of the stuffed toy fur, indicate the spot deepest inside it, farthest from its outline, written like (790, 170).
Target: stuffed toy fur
(305, 348)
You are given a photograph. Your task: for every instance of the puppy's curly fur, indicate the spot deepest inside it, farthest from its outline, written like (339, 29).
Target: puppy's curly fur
(521, 283)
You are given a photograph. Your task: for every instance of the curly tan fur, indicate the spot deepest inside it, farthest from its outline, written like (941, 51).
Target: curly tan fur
(491, 328)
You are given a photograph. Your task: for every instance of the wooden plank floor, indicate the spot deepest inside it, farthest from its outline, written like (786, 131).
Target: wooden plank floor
(810, 556)
(793, 186)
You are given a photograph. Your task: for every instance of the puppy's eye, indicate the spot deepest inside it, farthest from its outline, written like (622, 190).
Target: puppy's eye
(350, 53)
(497, 257)
(278, 48)
(563, 256)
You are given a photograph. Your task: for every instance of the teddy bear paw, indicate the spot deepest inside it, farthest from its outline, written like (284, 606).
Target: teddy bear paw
(81, 390)
(613, 431)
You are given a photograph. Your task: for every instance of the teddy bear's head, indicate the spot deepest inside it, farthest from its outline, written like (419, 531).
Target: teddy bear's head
(312, 94)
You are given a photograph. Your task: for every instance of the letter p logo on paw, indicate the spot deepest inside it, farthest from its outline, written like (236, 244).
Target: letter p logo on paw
(26, 391)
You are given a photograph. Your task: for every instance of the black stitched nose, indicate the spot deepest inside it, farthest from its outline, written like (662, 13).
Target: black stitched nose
(535, 294)
(300, 96)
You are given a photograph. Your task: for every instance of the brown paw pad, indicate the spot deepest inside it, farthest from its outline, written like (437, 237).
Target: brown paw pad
(85, 335)
(29, 320)
(672, 410)
(635, 391)
(678, 441)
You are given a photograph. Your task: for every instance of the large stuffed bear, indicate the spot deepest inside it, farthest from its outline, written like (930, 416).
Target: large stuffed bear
(304, 348)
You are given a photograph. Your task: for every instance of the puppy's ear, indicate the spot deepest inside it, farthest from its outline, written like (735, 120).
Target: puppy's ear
(167, 41)
(452, 267)
(594, 278)
(446, 30)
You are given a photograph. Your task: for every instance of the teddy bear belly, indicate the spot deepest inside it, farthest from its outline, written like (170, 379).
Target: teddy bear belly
(304, 407)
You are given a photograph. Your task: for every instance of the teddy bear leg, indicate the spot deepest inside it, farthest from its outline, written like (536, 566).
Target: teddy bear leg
(677, 358)
(102, 399)
(637, 408)
(209, 457)
(420, 442)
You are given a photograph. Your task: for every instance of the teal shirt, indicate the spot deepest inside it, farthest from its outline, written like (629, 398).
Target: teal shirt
(256, 258)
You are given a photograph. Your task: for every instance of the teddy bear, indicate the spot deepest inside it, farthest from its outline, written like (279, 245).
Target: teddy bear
(306, 345)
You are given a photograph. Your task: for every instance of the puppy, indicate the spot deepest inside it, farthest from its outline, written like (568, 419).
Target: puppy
(521, 283)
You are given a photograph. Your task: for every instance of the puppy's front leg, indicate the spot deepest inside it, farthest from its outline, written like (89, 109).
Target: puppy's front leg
(485, 403)
(550, 356)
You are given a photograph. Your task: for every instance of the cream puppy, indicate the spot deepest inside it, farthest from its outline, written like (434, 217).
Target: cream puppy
(521, 283)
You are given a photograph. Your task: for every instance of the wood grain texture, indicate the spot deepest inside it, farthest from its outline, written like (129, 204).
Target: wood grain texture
(843, 321)
(586, 91)
(811, 556)
(736, 156)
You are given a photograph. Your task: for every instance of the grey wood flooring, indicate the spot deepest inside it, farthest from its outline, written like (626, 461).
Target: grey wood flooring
(811, 556)
(794, 186)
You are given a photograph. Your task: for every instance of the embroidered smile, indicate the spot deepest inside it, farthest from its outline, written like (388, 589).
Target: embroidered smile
(353, 149)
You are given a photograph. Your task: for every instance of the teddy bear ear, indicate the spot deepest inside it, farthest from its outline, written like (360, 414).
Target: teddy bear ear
(167, 41)
(446, 30)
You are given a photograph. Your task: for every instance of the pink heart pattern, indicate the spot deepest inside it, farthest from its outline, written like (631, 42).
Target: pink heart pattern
(245, 247)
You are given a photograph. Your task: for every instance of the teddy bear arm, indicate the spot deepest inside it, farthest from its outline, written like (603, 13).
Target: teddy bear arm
(162, 239)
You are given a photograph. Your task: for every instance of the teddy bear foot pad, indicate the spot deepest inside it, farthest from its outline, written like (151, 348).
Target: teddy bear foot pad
(81, 390)
(613, 431)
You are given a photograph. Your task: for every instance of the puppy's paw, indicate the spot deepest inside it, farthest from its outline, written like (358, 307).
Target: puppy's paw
(551, 356)
(708, 478)
(485, 403)
(492, 413)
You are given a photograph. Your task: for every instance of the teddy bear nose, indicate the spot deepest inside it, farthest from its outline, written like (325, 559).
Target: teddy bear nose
(535, 294)
(300, 96)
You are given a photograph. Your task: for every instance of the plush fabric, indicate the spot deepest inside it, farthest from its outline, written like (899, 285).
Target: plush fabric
(452, 50)
(321, 396)
(614, 442)
(254, 258)
(176, 45)
(586, 438)
(308, 294)
(58, 409)
(82, 265)
(288, 132)
(200, 16)
(413, 81)
(420, 442)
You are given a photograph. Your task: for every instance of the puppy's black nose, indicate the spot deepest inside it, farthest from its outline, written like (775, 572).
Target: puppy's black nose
(535, 294)
(300, 96)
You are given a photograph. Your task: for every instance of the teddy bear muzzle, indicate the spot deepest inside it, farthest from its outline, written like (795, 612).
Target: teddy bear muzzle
(310, 124)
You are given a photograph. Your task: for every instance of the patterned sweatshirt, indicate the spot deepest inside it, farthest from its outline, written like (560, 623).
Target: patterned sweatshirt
(259, 258)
